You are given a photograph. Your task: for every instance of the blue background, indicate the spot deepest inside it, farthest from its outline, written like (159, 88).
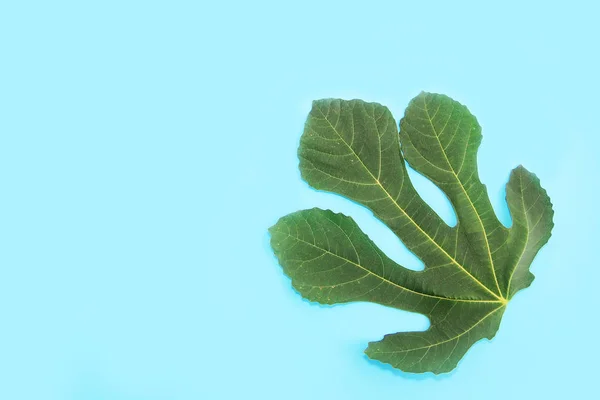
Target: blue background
(146, 147)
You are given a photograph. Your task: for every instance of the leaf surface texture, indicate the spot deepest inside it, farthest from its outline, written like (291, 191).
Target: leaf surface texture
(472, 270)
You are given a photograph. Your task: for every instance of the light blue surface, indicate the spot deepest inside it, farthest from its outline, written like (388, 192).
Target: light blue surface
(145, 149)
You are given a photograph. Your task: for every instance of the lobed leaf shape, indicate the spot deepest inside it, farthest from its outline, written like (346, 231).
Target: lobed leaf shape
(472, 270)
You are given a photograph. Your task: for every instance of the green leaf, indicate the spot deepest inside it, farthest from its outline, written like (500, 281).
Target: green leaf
(471, 270)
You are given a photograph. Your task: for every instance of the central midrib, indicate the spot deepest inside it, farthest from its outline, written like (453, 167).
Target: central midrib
(487, 244)
(452, 259)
